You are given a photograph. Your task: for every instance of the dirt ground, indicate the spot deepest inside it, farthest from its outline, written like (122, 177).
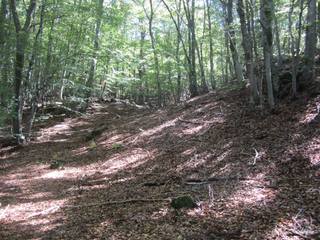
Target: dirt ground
(253, 175)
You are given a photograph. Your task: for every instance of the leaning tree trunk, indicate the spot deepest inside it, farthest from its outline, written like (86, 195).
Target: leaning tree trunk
(266, 17)
(233, 47)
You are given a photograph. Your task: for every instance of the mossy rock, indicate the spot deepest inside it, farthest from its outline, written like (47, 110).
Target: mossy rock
(183, 202)
(56, 165)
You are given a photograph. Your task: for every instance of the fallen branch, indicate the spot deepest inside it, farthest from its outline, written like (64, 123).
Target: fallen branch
(216, 179)
(121, 202)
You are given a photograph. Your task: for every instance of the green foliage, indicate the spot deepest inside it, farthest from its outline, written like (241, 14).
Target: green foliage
(117, 146)
(183, 202)
(3, 116)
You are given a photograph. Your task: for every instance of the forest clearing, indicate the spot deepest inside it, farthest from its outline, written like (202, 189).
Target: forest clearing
(160, 119)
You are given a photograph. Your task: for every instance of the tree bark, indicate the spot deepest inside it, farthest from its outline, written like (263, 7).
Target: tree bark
(22, 33)
(190, 15)
(247, 44)
(232, 43)
(155, 54)
(90, 81)
(212, 79)
(266, 18)
(310, 41)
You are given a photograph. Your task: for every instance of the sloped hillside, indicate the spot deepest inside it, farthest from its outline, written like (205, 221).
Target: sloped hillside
(113, 173)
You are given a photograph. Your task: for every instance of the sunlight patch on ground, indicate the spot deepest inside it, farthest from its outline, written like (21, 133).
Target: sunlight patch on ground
(158, 129)
(47, 133)
(63, 173)
(80, 151)
(26, 211)
(125, 160)
(251, 193)
(311, 112)
(313, 151)
(194, 130)
(195, 161)
(115, 139)
(300, 226)
(159, 214)
(189, 152)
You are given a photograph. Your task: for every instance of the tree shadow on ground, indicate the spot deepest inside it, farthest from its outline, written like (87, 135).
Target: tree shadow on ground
(265, 183)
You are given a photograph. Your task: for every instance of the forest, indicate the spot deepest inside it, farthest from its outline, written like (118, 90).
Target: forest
(160, 119)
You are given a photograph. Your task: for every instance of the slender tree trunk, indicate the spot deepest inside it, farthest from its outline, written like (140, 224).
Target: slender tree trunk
(155, 54)
(212, 79)
(226, 44)
(232, 43)
(190, 15)
(295, 45)
(34, 87)
(191, 67)
(204, 86)
(247, 44)
(3, 52)
(178, 61)
(266, 15)
(141, 70)
(90, 81)
(278, 44)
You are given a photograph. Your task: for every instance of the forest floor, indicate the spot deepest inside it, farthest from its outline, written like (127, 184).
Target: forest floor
(253, 175)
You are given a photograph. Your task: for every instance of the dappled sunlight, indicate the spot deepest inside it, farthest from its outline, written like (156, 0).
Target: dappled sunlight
(298, 225)
(194, 130)
(312, 150)
(252, 195)
(196, 161)
(48, 133)
(66, 173)
(80, 151)
(158, 129)
(129, 159)
(160, 214)
(189, 152)
(117, 138)
(312, 110)
(24, 212)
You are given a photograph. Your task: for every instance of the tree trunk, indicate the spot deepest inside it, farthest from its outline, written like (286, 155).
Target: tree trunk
(232, 43)
(90, 81)
(34, 86)
(190, 15)
(22, 33)
(155, 54)
(266, 17)
(212, 79)
(141, 67)
(311, 40)
(178, 61)
(295, 45)
(247, 44)
(3, 53)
